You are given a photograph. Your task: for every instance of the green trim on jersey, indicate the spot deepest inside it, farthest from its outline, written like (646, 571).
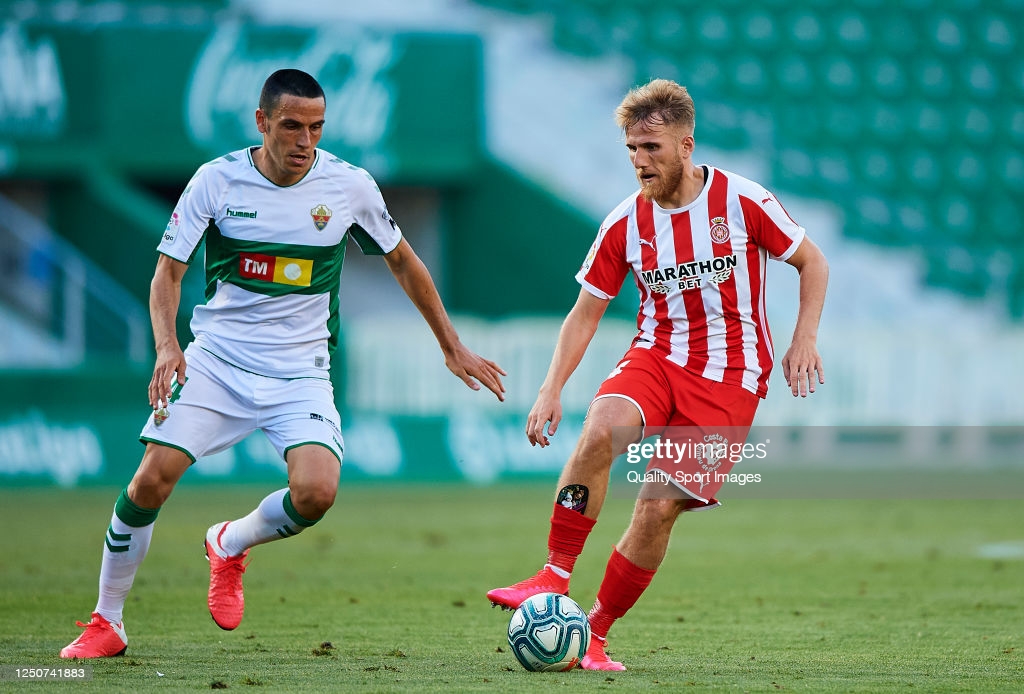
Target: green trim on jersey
(224, 263)
(334, 323)
(367, 244)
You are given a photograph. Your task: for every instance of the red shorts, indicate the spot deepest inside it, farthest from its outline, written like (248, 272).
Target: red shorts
(702, 424)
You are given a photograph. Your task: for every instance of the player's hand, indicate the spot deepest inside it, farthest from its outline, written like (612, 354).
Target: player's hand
(468, 366)
(548, 408)
(169, 361)
(802, 366)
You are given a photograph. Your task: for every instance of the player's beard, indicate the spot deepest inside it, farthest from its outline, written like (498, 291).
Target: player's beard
(662, 188)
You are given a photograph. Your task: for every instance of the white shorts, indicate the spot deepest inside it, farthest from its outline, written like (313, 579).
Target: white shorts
(221, 404)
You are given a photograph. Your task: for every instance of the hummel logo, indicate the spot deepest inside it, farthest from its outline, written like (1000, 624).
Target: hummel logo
(248, 214)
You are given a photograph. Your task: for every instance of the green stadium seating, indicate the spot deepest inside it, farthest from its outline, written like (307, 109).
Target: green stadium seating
(908, 115)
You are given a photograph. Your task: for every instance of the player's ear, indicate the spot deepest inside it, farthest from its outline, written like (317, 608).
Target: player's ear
(261, 120)
(687, 144)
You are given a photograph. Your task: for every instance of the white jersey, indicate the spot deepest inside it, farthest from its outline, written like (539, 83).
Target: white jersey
(273, 258)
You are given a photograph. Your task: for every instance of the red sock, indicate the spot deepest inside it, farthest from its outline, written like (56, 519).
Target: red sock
(624, 582)
(569, 531)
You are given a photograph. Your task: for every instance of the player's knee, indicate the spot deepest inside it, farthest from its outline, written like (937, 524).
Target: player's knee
(149, 489)
(658, 511)
(314, 500)
(606, 439)
(151, 486)
(158, 473)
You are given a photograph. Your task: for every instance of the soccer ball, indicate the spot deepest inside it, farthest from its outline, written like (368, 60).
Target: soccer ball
(549, 633)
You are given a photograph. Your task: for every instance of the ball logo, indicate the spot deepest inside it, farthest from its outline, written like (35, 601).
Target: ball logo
(719, 230)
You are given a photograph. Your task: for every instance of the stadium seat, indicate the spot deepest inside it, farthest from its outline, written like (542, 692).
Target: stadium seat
(946, 34)
(806, 32)
(887, 77)
(980, 78)
(852, 32)
(932, 78)
(760, 32)
(714, 30)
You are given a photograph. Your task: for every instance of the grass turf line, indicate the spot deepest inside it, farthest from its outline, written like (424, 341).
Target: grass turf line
(387, 594)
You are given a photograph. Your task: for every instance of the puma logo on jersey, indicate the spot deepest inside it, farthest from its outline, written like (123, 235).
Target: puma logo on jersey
(618, 369)
(649, 243)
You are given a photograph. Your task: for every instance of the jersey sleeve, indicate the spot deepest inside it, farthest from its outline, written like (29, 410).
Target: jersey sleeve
(191, 218)
(771, 227)
(606, 267)
(374, 231)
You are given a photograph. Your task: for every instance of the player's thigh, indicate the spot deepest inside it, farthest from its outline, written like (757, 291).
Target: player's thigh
(303, 423)
(640, 379)
(613, 422)
(312, 467)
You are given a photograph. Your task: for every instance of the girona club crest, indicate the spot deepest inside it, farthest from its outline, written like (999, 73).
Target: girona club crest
(719, 230)
(321, 215)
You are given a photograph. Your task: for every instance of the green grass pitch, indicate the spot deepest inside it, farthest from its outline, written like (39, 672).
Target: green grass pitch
(387, 594)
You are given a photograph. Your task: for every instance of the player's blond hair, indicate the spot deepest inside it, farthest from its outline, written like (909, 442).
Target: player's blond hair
(659, 102)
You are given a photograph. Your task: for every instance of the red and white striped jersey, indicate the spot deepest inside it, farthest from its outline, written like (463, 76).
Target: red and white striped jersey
(700, 271)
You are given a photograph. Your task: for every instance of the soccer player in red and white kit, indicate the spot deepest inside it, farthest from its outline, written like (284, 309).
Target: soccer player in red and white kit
(696, 239)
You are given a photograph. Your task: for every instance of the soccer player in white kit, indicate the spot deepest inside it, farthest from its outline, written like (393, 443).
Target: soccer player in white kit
(696, 240)
(276, 219)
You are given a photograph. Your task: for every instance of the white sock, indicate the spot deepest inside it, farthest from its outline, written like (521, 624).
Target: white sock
(558, 571)
(124, 549)
(274, 519)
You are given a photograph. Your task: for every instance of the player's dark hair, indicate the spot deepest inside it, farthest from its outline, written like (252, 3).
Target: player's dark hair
(289, 81)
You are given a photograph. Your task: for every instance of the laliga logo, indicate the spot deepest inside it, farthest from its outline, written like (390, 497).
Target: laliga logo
(351, 66)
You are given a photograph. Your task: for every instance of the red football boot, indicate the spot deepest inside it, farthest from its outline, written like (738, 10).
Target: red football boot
(101, 639)
(545, 581)
(597, 659)
(225, 599)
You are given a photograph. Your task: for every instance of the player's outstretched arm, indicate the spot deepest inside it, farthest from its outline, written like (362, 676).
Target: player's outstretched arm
(164, 298)
(802, 363)
(577, 331)
(415, 280)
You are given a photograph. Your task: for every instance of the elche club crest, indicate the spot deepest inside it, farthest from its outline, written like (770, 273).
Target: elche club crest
(719, 230)
(321, 215)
